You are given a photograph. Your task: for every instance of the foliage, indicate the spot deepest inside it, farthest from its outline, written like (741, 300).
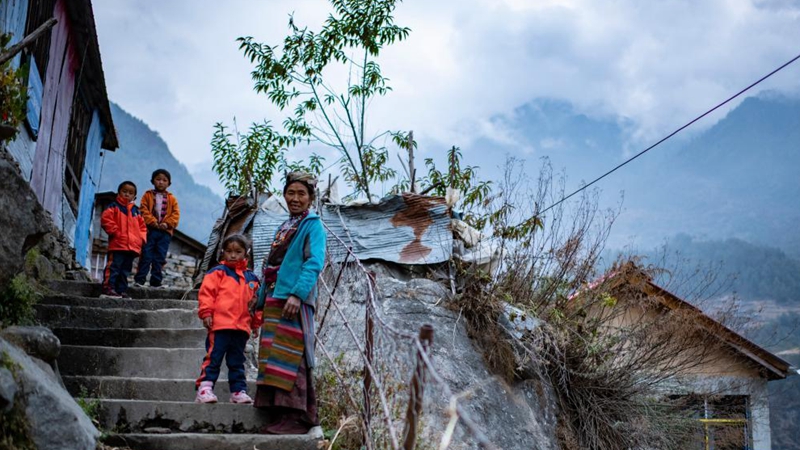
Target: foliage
(605, 343)
(90, 406)
(338, 418)
(13, 91)
(246, 166)
(17, 301)
(299, 77)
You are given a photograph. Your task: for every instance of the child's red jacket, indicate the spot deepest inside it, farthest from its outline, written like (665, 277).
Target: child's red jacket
(124, 225)
(224, 294)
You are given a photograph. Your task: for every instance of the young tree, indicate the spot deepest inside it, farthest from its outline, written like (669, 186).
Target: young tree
(245, 167)
(297, 75)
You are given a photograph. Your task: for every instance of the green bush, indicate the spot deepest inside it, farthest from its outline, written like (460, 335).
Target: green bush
(16, 302)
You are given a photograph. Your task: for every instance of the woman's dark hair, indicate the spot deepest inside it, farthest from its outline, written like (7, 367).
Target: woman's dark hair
(127, 183)
(239, 239)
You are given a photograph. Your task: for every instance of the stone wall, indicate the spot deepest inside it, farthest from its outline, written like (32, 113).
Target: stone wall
(180, 270)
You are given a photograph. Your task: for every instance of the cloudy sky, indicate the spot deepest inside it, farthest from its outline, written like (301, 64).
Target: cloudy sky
(651, 65)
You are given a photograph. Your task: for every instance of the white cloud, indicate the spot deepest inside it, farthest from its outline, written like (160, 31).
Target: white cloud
(652, 64)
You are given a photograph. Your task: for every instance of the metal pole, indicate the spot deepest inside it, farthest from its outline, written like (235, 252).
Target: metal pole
(414, 409)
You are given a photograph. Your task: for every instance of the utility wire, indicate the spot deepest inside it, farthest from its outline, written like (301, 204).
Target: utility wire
(670, 135)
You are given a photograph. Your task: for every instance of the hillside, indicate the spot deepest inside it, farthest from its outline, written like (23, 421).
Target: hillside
(141, 151)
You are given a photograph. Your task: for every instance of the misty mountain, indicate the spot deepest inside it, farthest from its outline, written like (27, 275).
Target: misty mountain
(141, 151)
(736, 179)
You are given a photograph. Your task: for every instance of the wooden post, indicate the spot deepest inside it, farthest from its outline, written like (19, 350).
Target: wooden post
(27, 40)
(415, 396)
(412, 173)
(369, 331)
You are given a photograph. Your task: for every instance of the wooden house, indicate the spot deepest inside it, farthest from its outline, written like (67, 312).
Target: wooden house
(723, 385)
(68, 124)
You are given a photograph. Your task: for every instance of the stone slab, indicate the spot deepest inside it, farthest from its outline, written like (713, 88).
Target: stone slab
(59, 316)
(127, 388)
(123, 303)
(84, 289)
(198, 441)
(175, 363)
(134, 337)
(133, 416)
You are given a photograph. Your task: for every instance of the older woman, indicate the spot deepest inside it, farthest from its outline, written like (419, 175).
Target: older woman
(285, 386)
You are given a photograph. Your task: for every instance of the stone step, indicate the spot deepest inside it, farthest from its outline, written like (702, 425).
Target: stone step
(133, 337)
(136, 416)
(143, 362)
(60, 316)
(83, 289)
(119, 303)
(128, 388)
(199, 441)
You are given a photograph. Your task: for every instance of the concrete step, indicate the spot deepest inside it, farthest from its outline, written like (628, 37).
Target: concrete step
(119, 303)
(133, 337)
(199, 441)
(60, 316)
(83, 289)
(128, 388)
(136, 416)
(143, 362)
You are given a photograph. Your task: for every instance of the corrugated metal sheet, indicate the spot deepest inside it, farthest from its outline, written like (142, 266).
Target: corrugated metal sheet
(405, 229)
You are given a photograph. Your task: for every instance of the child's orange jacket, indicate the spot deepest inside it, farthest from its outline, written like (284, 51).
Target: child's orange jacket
(124, 225)
(224, 294)
(172, 216)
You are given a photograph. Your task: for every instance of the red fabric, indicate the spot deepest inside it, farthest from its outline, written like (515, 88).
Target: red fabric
(124, 225)
(225, 299)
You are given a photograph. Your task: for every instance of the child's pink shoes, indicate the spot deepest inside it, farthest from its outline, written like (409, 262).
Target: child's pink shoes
(241, 397)
(205, 393)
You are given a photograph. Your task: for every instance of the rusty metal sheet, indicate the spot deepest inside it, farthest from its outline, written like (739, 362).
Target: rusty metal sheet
(405, 229)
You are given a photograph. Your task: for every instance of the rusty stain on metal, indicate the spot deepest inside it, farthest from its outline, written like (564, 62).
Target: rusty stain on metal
(416, 215)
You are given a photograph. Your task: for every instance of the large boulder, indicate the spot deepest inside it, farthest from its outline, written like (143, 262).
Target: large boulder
(24, 222)
(55, 420)
(513, 417)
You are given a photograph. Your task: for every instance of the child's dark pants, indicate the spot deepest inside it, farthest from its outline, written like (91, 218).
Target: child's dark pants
(229, 344)
(118, 267)
(154, 254)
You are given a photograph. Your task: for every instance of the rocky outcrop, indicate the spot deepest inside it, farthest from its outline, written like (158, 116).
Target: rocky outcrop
(55, 421)
(24, 222)
(518, 416)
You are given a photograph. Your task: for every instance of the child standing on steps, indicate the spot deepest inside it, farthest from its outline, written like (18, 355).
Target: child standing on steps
(224, 299)
(126, 234)
(161, 215)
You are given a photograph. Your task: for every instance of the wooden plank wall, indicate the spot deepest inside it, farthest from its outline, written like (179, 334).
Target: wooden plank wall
(13, 15)
(59, 89)
(90, 182)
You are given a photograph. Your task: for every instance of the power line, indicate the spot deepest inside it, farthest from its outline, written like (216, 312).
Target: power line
(670, 135)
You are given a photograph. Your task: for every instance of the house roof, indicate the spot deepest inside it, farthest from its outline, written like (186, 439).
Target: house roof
(92, 78)
(774, 366)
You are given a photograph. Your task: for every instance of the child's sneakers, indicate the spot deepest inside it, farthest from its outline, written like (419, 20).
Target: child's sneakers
(110, 293)
(205, 393)
(241, 397)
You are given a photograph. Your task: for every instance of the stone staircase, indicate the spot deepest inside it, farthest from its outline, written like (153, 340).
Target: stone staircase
(139, 357)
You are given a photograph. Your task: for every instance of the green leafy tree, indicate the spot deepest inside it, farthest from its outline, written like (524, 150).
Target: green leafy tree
(296, 76)
(246, 166)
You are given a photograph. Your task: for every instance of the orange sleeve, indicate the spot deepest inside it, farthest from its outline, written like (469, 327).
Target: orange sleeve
(207, 297)
(108, 220)
(175, 214)
(146, 208)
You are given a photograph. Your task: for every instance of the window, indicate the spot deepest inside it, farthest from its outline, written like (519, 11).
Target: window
(723, 419)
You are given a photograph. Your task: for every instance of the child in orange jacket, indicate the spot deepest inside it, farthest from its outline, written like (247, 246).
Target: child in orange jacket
(224, 299)
(126, 234)
(161, 215)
